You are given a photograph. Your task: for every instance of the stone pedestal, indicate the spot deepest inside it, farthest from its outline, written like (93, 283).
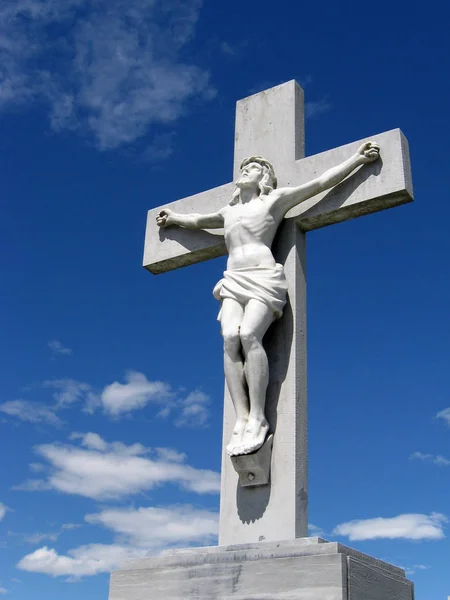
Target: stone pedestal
(301, 569)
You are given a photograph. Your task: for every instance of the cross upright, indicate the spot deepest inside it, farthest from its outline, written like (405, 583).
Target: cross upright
(271, 124)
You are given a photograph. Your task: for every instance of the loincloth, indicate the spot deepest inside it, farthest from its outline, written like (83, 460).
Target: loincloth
(266, 284)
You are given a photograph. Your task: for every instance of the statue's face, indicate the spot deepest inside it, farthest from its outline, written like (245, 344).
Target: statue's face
(250, 175)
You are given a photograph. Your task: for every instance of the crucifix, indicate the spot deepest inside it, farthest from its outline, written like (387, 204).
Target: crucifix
(265, 412)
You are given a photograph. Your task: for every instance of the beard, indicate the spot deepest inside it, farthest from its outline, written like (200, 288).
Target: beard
(245, 182)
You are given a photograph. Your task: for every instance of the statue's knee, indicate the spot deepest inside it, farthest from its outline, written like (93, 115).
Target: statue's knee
(249, 339)
(231, 341)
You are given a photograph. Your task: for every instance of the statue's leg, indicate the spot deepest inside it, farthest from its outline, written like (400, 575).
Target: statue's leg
(231, 317)
(256, 321)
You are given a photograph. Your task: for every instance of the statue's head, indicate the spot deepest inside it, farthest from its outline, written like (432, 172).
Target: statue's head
(258, 172)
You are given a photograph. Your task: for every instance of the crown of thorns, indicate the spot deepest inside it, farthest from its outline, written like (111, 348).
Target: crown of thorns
(264, 163)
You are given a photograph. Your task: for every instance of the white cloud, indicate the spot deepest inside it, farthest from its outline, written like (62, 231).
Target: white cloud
(116, 470)
(194, 411)
(32, 412)
(3, 591)
(408, 526)
(445, 415)
(57, 348)
(115, 68)
(141, 532)
(435, 459)
(2, 511)
(157, 528)
(90, 440)
(136, 393)
(83, 561)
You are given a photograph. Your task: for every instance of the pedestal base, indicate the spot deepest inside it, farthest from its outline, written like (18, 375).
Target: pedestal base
(301, 569)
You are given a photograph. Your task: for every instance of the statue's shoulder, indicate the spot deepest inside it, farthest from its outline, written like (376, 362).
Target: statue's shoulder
(278, 192)
(274, 195)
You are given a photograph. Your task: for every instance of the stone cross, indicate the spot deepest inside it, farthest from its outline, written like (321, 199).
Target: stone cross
(271, 124)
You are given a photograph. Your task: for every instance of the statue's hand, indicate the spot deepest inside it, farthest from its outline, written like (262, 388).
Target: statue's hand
(164, 218)
(368, 152)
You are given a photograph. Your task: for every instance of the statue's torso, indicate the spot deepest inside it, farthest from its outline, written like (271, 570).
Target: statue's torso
(249, 232)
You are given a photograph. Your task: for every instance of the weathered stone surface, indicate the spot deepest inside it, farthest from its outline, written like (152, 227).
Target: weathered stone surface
(303, 569)
(278, 510)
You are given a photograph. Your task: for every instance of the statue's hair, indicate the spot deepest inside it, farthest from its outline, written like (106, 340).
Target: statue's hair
(268, 182)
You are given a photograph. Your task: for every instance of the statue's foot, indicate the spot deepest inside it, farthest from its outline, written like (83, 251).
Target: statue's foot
(254, 436)
(236, 437)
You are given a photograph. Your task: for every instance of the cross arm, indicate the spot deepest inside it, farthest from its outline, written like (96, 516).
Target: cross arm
(174, 247)
(376, 186)
(382, 184)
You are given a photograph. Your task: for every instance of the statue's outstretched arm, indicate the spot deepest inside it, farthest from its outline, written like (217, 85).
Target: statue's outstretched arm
(290, 197)
(167, 217)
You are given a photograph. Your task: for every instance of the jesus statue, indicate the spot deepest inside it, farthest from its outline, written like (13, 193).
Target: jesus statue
(253, 289)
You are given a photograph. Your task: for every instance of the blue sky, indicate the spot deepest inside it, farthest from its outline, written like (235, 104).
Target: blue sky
(111, 395)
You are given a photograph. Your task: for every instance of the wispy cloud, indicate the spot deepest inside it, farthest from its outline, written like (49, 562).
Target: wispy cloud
(316, 108)
(407, 526)
(227, 48)
(162, 147)
(138, 532)
(57, 348)
(171, 455)
(35, 538)
(233, 50)
(2, 511)
(68, 391)
(315, 531)
(93, 441)
(31, 412)
(110, 69)
(193, 410)
(38, 537)
(103, 470)
(36, 467)
(436, 459)
(135, 393)
(3, 591)
(445, 415)
(415, 568)
(70, 526)
(186, 409)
